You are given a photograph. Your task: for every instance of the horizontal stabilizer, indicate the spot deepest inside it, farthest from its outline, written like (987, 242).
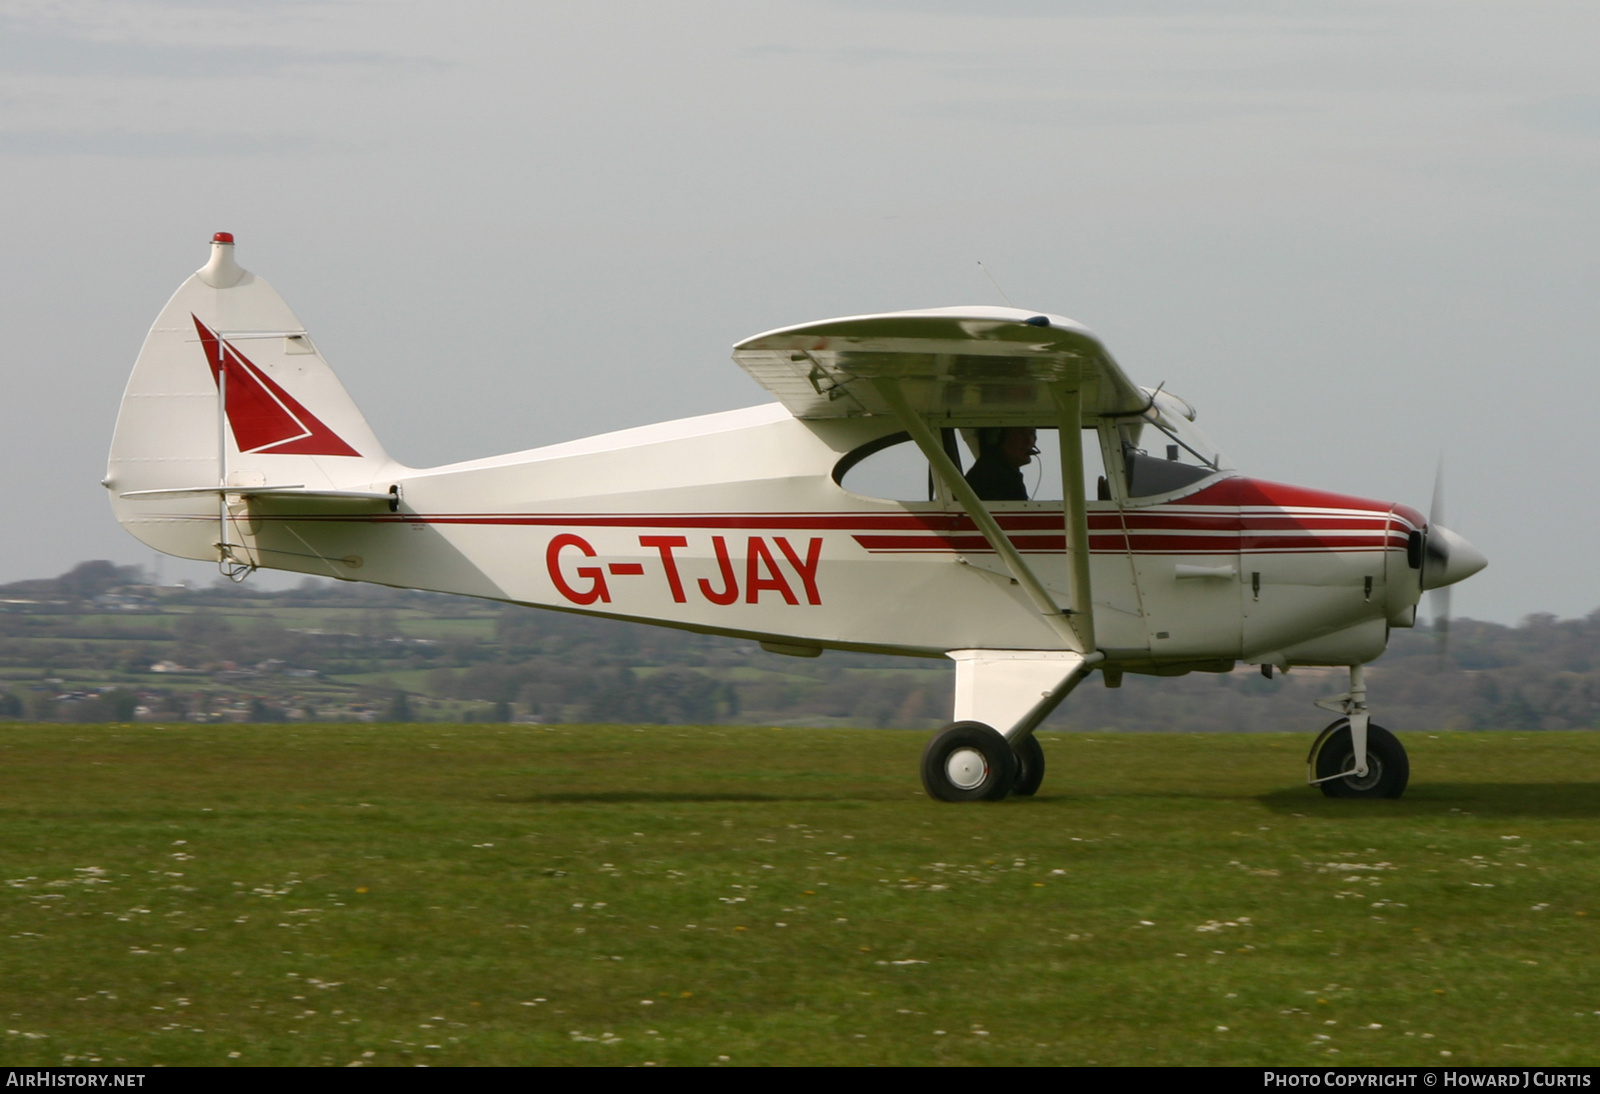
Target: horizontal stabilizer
(264, 492)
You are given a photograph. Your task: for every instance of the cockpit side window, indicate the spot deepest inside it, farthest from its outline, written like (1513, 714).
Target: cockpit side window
(893, 468)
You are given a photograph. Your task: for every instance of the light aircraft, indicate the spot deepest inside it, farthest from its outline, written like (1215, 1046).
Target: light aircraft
(1142, 550)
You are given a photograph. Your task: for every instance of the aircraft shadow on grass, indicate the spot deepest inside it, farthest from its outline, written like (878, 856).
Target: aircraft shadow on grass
(1556, 800)
(644, 797)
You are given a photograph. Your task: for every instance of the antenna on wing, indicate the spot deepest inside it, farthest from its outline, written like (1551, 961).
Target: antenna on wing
(995, 283)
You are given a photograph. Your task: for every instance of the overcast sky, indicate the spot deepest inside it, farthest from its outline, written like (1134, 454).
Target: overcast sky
(1354, 235)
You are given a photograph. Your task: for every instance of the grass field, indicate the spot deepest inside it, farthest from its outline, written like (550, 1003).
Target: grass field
(621, 895)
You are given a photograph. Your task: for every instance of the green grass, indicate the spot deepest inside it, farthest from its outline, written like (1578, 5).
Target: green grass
(622, 895)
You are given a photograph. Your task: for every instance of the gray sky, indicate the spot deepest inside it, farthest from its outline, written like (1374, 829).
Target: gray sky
(1354, 235)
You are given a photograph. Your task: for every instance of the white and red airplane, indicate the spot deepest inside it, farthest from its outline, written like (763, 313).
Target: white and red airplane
(1139, 550)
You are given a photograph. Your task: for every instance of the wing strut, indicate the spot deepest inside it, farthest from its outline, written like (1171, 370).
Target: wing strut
(1074, 508)
(1076, 624)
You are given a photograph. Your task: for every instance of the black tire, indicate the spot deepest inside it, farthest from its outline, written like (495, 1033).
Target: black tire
(1388, 769)
(968, 762)
(1030, 767)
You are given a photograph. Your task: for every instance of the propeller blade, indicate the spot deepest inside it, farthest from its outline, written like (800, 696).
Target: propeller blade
(1437, 556)
(1436, 506)
(1439, 606)
(1447, 558)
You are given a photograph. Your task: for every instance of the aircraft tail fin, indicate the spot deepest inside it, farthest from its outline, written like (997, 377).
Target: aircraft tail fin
(228, 394)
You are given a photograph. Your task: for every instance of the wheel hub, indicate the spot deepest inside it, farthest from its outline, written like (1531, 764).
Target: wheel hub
(966, 768)
(1371, 779)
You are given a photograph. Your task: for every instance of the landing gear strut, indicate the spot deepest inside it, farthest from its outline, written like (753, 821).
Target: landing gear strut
(1353, 758)
(1001, 697)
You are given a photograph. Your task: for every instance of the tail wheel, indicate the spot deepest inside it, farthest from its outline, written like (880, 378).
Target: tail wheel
(968, 762)
(1388, 769)
(1030, 767)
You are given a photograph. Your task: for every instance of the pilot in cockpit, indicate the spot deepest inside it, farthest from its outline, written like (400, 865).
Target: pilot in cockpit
(996, 475)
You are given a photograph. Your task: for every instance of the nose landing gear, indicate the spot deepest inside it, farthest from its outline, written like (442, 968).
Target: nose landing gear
(1333, 763)
(1353, 758)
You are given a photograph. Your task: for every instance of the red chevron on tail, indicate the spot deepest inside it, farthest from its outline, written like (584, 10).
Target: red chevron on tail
(264, 417)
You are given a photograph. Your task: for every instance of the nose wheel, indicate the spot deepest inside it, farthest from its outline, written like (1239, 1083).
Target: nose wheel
(1353, 758)
(1334, 761)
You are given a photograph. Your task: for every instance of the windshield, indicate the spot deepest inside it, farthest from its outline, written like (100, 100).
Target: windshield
(1163, 450)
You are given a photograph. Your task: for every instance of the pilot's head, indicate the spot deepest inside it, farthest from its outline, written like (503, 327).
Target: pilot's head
(1013, 444)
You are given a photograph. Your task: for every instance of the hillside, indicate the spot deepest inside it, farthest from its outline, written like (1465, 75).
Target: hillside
(99, 643)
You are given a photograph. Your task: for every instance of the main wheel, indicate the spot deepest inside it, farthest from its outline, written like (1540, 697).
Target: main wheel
(1030, 767)
(1388, 770)
(968, 762)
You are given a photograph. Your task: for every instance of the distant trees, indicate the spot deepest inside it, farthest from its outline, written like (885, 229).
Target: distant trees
(398, 709)
(91, 579)
(338, 650)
